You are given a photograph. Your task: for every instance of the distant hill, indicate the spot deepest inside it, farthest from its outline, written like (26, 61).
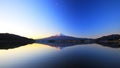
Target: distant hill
(109, 37)
(11, 41)
(109, 40)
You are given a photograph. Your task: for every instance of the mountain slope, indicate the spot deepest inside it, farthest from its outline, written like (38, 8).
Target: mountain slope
(11, 41)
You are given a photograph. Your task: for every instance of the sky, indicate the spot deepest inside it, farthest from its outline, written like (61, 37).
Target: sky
(80, 18)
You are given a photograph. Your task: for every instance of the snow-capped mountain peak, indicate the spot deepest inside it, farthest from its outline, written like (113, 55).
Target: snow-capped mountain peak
(60, 34)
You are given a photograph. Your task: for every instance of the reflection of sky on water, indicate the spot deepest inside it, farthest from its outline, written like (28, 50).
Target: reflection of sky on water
(38, 55)
(24, 54)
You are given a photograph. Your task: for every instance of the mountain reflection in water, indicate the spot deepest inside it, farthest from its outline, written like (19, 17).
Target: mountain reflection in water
(63, 45)
(58, 45)
(43, 56)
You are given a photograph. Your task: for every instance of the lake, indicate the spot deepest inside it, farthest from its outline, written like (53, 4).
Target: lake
(44, 56)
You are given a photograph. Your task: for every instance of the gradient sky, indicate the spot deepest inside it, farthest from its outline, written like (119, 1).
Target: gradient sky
(82, 18)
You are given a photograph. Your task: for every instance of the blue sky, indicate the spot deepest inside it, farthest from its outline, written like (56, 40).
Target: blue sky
(82, 18)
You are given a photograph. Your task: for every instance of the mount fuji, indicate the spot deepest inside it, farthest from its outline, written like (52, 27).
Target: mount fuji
(61, 40)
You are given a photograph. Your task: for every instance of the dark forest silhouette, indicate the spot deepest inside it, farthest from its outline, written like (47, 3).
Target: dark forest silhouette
(8, 41)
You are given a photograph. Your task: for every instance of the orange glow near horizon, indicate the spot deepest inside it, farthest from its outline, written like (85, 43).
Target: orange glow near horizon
(23, 53)
(40, 36)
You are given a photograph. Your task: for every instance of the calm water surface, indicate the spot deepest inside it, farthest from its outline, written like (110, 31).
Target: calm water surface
(44, 56)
